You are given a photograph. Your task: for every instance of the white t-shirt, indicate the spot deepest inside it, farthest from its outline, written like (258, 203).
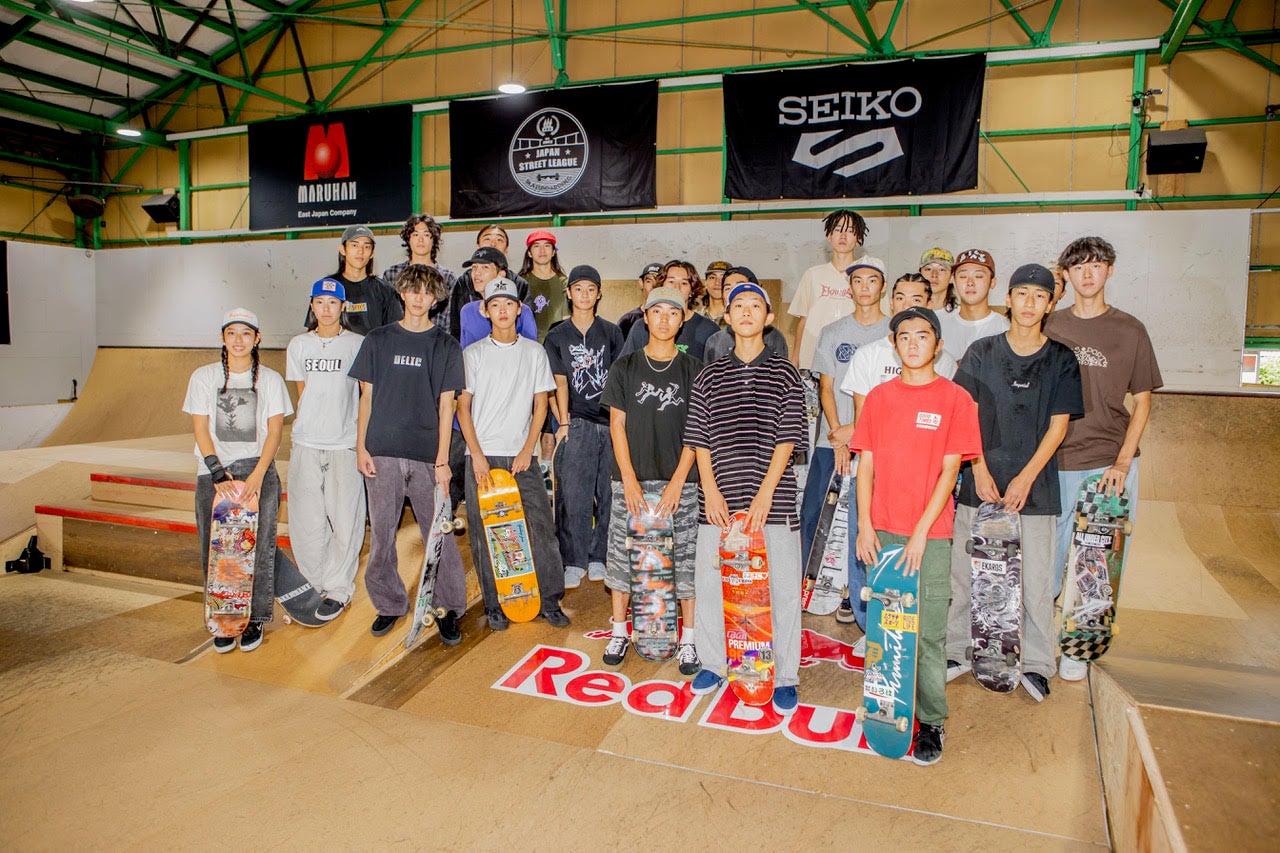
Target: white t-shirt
(330, 402)
(957, 334)
(503, 379)
(238, 418)
(822, 296)
(878, 362)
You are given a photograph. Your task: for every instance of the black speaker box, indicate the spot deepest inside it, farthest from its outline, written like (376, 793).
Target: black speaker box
(1176, 152)
(162, 208)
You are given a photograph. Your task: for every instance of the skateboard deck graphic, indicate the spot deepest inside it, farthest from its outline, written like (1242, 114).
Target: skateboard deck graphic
(995, 606)
(887, 712)
(827, 568)
(812, 414)
(650, 546)
(1094, 563)
(748, 620)
(510, 555)
(296, 594)
(228, 592)
(442, 524)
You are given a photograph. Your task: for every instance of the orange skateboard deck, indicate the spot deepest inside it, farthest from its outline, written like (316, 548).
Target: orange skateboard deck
(228, 592)
(510, 556)
(748, 619)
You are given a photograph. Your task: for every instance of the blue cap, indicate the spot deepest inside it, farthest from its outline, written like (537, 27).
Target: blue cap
(329, 287)
(748, 287)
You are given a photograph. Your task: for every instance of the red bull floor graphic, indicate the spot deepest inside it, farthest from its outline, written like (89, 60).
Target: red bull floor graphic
(564, 675)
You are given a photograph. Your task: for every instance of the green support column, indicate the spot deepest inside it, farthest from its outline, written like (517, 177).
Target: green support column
(95, 160)
(1135, 128)
(184, 187)
(415, 162)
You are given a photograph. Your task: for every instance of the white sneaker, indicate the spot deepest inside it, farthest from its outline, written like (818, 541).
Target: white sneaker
(595, 571)
(1070, 669)
(573, 577)
(860, 647)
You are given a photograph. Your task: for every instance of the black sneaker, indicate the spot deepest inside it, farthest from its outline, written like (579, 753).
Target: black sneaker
(252, 637)
(222, 645)
(383, 625)
(615, 651)
(450, 633)
(556, 617)
(845, 614)
(498, 620)
(928, 744)
(329, 609)
(955, 669)
(1036, 685)
(690, 664)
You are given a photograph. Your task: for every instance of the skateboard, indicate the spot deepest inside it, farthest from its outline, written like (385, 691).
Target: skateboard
(650, 544)
(228, 590)
(510, 555)
(812, 414)
(748, 622)
(442, 524)
(995, 605)
(887, 712)
(296, 594)
(1094, 563)
(825, 572)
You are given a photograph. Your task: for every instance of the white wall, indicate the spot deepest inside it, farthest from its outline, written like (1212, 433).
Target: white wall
(27, 426)
(51, 322)
(1184, 273)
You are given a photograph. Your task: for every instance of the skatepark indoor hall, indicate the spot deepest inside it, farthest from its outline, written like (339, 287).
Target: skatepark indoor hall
(120, 728)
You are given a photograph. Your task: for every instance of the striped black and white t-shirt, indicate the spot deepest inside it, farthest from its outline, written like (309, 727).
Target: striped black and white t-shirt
(741, 412)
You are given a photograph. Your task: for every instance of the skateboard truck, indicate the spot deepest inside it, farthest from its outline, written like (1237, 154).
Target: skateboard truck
(888, 599)
(880, 715)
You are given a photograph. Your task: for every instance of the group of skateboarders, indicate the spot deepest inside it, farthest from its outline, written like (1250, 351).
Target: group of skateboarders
(696, 398)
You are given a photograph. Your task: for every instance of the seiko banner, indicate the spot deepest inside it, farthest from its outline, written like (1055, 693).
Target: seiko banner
(561, 151)
(332, 169)
(868, 129)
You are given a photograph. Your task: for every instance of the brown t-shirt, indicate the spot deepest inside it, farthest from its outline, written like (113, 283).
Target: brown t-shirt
(1116, 358)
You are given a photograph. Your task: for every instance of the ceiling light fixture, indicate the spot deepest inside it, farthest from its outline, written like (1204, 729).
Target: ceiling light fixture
(130, 132)
(512, 86)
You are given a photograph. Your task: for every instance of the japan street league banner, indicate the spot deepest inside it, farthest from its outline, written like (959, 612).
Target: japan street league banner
(354, 166)
(867, 129)
(559, 151)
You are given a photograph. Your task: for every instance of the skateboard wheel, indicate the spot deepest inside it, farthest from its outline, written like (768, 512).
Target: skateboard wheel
(1070, 626)
(1127, 527)
(1082, 524)
(446, 527)
(968, 653)
(901, 724)
(1010, 659)
(1115, 629)
(860, 713)
(968, 546)
(865, 593)
(832, 497)
(757, 562)
(428, 620)
(1011, 551)
(669, 542)
(908, 600)
(630, 542)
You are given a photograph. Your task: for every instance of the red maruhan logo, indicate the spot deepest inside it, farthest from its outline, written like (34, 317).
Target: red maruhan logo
(326, 155)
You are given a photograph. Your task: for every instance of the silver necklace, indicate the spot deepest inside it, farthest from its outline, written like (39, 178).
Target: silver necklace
(654, 369)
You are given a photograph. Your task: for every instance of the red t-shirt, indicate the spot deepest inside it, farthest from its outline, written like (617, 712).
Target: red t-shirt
(908, 429)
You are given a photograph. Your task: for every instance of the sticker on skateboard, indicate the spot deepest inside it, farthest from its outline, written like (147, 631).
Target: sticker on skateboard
(650, 545)
(228, 591)
(748, 621)
(1094, 564)
(507, 537)
(995, 604)
(425, 613)
(887, 712)
(825, 572)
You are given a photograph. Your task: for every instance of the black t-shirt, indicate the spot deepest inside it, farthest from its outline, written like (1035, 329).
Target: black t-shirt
(409, 371)
(584, 361)
(692, 338)
(654, 395)
(629, 319)
(1017, 395)
(371, 303)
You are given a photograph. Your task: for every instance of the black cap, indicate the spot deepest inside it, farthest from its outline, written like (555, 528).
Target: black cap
(916, 311)
(487, 255)
(745, 271)
(584, 272)
(650, 269)
(1033, 274)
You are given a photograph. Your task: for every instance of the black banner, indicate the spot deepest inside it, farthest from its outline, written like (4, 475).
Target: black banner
(341, 168)
(874, 129)
(561, 151)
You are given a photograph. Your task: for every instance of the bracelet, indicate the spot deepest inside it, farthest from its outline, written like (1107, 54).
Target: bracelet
(216, 470)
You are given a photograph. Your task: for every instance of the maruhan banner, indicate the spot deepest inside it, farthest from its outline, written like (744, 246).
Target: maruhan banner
(560, 151)
(868, 129)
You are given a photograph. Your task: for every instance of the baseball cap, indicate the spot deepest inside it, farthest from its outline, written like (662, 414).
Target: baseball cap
(487, 255)
(936, 255)
(664, 296)
(329, 287)
(747, 287)
(500, 286)
(866, 262)
(354, 231)
(540, 234)
(240, 315)
(742, 271)
(974, 256)
(584, 272)
(1033, 274)
(716, 266)
(650, 269)
(919, 312)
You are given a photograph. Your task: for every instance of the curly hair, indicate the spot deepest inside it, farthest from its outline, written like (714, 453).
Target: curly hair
(433, 228)
(422, 277)
(844, 216)
(1087, 249)
(698, 297)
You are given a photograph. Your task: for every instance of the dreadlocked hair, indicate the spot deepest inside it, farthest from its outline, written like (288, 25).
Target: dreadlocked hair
(226, 369)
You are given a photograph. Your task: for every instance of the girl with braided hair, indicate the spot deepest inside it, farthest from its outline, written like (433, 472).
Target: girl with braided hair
(237, 408)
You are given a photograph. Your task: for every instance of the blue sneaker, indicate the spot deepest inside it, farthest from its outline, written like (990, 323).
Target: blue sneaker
(705, 682)
(785, 700)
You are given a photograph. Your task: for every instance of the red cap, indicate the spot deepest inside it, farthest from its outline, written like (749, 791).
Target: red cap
(541, 234)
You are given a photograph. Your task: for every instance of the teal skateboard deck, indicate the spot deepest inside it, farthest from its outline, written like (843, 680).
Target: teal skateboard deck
(887, 712)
